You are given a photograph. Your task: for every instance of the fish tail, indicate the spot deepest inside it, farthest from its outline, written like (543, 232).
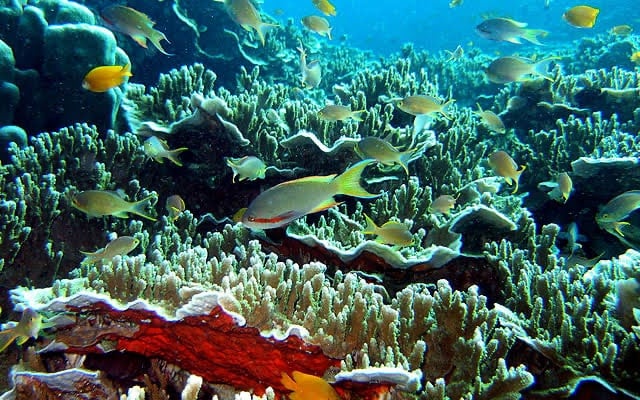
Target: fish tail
(516, 178)
(531, 35)
(287, 382)
(262, 29)
(349, 181)
(126, 70)
(407, 156)
(357, 115)
(155, 38)
(445, 109)
(540, 68)
(6, 338)
(173, 155)
(139, 207)
(371, 227)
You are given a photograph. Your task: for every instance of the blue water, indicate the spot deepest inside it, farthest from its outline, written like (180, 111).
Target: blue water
(383, 26)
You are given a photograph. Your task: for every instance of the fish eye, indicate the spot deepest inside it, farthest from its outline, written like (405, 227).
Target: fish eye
(251, 218)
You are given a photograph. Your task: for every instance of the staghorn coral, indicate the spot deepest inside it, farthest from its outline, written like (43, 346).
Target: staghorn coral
(561, 311)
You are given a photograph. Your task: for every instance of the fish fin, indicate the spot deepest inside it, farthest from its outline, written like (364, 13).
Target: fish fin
(357, 115)
(408, 156)
(121, 214)
(531, 35)
(540, 68)
(371, 227)
(516, 178)
(138, 207)
(325, 205)
(329, 33)
(173, 155)
(6, 338)
(140, 39)
(126, 70)
(262, 29)
(20, 340)
(514, 40)
(444, 109)
(421, 122)
(288, 382)
(618, 224)
(155, 38)
(349, 181)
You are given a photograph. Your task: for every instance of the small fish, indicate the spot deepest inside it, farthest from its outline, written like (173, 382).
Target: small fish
(491, 120)
(99, 203)
(611, 215)
(333, 112)
(422, 104)
(120, 246)
(565, 186)
(456, 54)
(245, 14)
(508, 30)
(573, 237)
(158, 149)
(391, 232)
(325, 6)
(174, 206)
(443, 204)
(504, 166)
(283, 203)
(385, 153)
(318, 25)
(29, 327)
(311, 73)
(621, 30)
(635, 58)
(308, 387)
(516, 69)
(581, 16)
(455, 3)
(134, 24)
(101, 79)
(247, 167)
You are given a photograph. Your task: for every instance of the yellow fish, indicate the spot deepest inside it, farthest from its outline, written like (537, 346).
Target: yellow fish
(29, 327)
(581, 16)
(247, 167)
(318, 25)
(422, 104)
(565, 186)
(174, 206)
(99, 203)
(333, 112)
(443, 204)
(117, 247)
(134, 24)
(283, 203)
(391, 232)
(158, 149)
(101, 79)
(635, 57)
(491, 120)
(611, 215)
(504, 166)
(311, 73)
(308, 387)
(324, 6)
(245, 14)
(384, 153)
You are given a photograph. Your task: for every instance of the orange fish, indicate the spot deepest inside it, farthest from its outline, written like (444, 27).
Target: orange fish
(324, 6)
(135, 24)
(306, 387)
(101, 79)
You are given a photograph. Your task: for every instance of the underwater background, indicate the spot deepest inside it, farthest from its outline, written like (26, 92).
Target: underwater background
(319, 199)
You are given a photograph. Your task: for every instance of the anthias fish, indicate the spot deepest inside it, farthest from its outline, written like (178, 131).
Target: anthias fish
(391, 232)
(508, 30)
(28, 327)
(99, 203)
(247, 167)
(159, 149)
(317, 24)
(135, 24)
(504, 166)
(517, 69)
(283, 203)
(120, 246)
